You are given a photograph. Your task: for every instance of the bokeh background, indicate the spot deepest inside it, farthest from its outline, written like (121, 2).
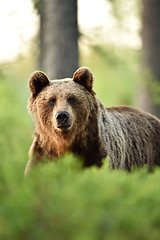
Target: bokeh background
(120, 42)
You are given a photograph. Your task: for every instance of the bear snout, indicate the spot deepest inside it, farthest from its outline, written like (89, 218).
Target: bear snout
(62, 119)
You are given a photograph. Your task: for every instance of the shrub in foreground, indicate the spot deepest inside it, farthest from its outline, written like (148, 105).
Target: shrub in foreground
(61, 201)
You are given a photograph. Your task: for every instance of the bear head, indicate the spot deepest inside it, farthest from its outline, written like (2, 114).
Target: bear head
(62, 106)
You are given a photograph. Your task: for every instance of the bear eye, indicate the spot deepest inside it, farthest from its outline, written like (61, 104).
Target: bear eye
(52, 102)
(72, 100)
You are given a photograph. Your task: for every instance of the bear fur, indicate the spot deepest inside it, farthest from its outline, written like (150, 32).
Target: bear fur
(70, 118)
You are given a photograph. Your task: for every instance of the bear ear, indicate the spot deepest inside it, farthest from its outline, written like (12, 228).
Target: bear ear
(37, 81)
(84, 77)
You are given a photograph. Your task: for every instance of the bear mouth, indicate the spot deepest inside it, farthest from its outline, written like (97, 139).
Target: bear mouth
(63, 128)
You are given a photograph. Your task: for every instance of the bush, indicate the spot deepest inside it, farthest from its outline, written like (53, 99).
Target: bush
(59, 200)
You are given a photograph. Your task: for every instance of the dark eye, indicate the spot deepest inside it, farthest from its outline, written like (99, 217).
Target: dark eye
(72, 100)
(52, 102)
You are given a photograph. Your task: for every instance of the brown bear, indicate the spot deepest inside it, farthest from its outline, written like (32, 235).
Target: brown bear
(70, 118)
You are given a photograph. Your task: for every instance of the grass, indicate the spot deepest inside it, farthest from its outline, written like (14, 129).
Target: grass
(59, 200)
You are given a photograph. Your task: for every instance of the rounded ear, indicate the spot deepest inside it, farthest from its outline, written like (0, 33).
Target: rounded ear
(84, 77)
(37, 81)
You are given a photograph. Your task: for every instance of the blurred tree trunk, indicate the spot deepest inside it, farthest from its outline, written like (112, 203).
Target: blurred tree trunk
(151, 52)
(58, 37)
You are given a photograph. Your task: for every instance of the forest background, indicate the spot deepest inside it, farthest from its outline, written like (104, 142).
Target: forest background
(122, 49)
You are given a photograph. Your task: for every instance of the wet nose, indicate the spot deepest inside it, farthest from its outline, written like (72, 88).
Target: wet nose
(62, 117)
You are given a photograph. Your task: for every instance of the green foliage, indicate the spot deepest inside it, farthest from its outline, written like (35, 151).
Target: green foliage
(60, 200)
(116, 73)
(121, 9)
(38, 5)
(150, 82)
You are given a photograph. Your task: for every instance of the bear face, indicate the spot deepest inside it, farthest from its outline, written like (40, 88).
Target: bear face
(62, 107)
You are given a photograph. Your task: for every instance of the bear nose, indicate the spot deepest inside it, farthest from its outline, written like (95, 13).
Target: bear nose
(62, 117)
